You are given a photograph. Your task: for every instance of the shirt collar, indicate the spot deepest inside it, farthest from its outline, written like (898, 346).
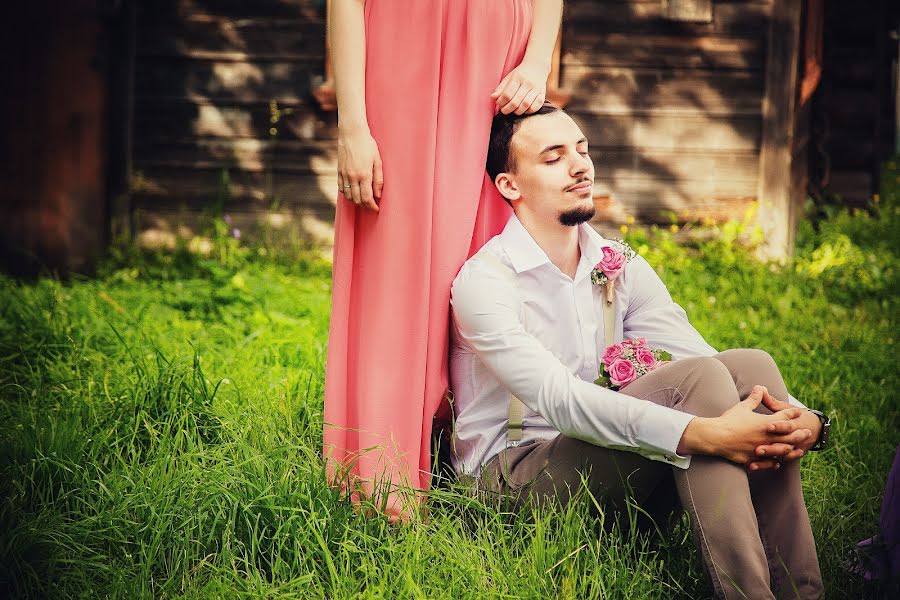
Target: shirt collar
(525, 253)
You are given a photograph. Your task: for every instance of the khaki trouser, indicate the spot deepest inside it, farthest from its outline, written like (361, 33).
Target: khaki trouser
(751, 528)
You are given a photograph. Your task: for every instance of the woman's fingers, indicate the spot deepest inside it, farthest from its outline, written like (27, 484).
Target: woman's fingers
(365, 189)
(360, 175)
(355, 193)
(506, 96)
(378, 178)
(341, 167)
(501, 86)
(527, 101)
(536, 104)
(517, 99)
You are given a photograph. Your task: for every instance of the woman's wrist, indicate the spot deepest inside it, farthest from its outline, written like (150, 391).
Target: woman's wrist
(541, 65)
(352, 127)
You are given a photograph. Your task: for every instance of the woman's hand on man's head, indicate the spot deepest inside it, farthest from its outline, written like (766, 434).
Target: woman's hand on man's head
(523, 90)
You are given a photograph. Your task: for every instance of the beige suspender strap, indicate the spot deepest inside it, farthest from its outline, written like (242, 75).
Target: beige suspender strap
(516, 412)
(609, 315)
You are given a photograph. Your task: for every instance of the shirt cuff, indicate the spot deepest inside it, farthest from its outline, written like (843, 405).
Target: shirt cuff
(666, 428)
(795, 402)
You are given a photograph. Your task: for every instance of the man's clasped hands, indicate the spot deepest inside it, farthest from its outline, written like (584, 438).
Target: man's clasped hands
(759, 441)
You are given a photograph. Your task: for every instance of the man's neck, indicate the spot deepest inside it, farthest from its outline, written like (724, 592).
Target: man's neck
(559, 242)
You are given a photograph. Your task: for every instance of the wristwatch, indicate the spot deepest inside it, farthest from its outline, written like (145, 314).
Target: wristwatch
(823, 433)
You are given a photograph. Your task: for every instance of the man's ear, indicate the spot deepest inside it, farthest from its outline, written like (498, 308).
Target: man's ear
(507, 186)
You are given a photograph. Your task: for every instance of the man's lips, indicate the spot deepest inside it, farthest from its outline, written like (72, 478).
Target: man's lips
(580, 187)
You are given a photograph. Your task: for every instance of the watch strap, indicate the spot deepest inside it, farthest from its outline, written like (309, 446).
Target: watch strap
(822, 440)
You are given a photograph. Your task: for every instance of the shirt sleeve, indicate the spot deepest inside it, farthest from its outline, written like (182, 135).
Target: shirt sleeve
(486, 311)
(652, 314)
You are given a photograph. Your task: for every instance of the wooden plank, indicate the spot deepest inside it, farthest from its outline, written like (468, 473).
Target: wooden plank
(674, 193)
(172, 118)
(247, 154)
(674, 165)
(605, 89)
(172, 187)
(655, 50)
(728, 17)
(699, 11)
(162, 227)
(669, 207)
(245, 80)
(239, 8)
(739, 133)
(779, 201)
(222, 38)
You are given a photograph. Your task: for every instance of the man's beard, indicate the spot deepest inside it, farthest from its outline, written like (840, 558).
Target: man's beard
(577, 216)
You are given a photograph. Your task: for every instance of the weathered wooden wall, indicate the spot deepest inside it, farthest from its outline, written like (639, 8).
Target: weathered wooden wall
(223, 112)
(672, 108)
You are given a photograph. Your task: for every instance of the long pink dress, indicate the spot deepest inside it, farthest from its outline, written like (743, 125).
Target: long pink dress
(431, 66)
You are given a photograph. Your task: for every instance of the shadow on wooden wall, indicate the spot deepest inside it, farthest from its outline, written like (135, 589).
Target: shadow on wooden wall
(225, 121)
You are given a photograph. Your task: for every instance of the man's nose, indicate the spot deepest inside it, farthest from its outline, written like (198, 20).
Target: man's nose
(581, 164)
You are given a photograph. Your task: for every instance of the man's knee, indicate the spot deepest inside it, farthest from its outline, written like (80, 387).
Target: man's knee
(707, 389)
(705, 368)
(746, 358)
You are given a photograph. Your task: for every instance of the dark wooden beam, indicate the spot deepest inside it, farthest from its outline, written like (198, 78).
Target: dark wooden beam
(121, 28)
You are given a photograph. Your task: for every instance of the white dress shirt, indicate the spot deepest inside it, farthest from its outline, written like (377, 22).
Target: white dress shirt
(551, 366)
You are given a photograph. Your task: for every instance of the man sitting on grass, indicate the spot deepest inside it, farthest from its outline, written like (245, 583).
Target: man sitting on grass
(711, 427)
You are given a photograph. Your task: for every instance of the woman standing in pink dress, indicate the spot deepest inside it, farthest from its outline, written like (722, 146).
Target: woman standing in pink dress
(417, 84)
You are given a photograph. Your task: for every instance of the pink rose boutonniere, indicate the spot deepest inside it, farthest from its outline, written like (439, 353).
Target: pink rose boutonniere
(611, 265)
(624, 362)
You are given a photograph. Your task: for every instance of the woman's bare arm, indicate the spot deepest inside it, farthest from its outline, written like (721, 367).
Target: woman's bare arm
(544, 30)
(346, 36)
(359, 162)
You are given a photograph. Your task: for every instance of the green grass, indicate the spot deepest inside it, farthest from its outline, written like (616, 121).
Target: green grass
(160, 430)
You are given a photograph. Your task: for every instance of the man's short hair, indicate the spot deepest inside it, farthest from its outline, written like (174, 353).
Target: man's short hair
(502, 129)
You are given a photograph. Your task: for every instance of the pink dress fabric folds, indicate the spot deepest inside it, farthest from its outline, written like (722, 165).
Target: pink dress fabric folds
(431, 66)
